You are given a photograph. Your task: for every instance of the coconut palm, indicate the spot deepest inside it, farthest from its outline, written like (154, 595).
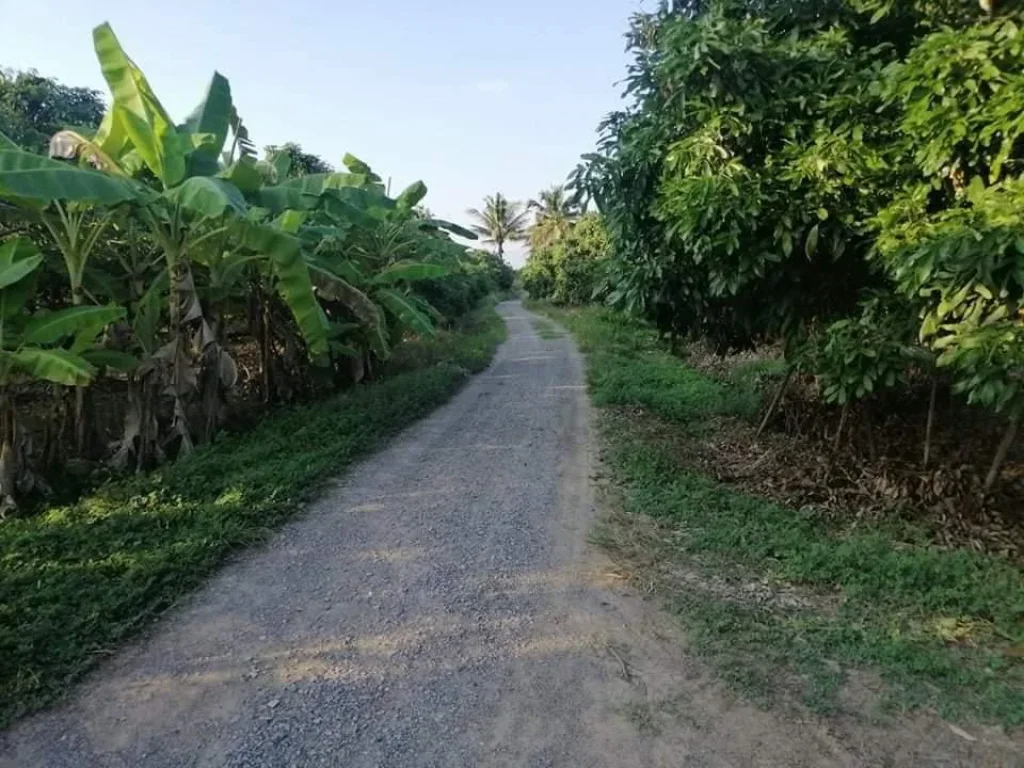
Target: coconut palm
(501, 221)
(554, 204)
(555, 213)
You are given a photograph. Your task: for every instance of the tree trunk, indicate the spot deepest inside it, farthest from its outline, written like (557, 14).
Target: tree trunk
(10, 459)
(930, 426)
(181, 359)
(776, 399)
(1000, 458)
(266, 351)
(210, 385)
(869, 427)
(837, 440)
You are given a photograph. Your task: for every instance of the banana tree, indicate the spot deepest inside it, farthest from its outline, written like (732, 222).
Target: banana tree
(75, 207)
(190, 200)
(35, 347)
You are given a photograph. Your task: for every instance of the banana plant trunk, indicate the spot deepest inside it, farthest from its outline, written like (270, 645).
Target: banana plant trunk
(180, 358)
(10, 456)
(84, 424)
(212, 401)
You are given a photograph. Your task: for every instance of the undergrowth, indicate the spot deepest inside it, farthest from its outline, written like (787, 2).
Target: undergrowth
(944, 628)
(77, 579)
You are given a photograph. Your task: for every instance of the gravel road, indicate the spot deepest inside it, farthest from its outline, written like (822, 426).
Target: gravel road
(440, 607)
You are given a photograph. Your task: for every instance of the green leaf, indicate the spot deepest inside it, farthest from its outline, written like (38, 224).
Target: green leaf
(212, 116)
(6, 142)
(356, 165)
(282, 164)
(243, 174)
(304, 192)
(293, 280)
(51, 327)
(56, 365)
(112, 359)
(139, 112)
(25, 175)
(290, 221)
(812, 241)
(146, 323)
(209, 197)
(18, 258)
(412, 195)
(410, 316)
(362, 306)
(408, 271)
(787, 242)
(455, 229)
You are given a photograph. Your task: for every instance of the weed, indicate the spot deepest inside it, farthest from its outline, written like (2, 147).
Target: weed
(547, 330)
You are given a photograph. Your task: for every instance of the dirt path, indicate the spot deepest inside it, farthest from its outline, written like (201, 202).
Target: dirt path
(439, 608)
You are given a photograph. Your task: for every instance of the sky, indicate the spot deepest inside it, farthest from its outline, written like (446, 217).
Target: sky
(470, 97)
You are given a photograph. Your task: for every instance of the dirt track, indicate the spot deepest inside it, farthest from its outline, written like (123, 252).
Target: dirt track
(440, 607)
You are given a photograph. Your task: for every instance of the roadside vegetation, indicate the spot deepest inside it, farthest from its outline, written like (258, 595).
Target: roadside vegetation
(159, 281)
(788, 604)
(77, 579)
(805, 230)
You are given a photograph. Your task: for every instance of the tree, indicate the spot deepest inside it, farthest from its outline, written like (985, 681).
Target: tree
(33, 108)
(555, 211)
(501, 221)
(299, 163)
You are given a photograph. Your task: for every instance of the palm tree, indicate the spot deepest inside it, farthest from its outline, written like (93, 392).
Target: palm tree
(555, 214)
(501, 221)
(554, 204)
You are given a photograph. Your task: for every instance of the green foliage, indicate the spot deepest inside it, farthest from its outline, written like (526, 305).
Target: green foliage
(33, 108)
(825, 175)
(568, 267)
(292, 162)
(78, 579)
(185, 233)
(872, 595)
(860, 355)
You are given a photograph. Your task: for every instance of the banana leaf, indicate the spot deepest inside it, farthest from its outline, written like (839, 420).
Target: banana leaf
(412, 195)
(142, 117)
(406, 312)
(293, 280)
(209, 197)
(51, 327)
(212, 116)
(409, 271)
(56, 365)
(26, 175)
(18, 258)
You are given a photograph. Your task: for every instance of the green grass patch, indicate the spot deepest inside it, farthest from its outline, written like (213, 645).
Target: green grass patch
(547, 330)
(934, 623)
(78, 579)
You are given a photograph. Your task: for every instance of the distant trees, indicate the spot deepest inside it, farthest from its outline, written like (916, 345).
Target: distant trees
(300, 163)
(568, 249)
(33, 108)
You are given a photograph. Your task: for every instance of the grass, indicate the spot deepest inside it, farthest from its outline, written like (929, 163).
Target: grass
(942, 628)
(76, 580)
(547, 330)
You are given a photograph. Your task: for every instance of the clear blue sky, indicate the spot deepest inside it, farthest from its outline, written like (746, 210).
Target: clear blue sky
(471, 97)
